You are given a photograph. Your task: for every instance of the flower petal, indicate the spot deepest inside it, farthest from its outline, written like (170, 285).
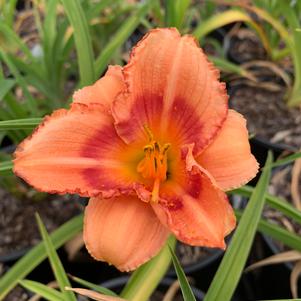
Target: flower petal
(75, 151)
(122, 231)
(173, 90)
(194, 208)
(228, 159)
(104, 90)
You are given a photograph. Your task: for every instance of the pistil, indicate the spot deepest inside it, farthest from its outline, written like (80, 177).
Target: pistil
(154, 165)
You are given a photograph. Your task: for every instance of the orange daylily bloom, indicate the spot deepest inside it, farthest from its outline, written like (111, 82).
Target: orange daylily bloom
(154, 146)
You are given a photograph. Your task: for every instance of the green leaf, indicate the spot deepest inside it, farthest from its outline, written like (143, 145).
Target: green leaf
(185, 287)
(274, 202)
(158, 13)
(230, 269)
(56, 264)
(35, 75)
(43, 290)
(51, 54)
(290, 239)
(120, 37)
(6, 166)
(227, 66)
(96, 8)
(14, 106)
(266, 16)
(16, 124)
(175, 12)
(82, 38)
(95, 287)
(146, 278)
(37, 254)
(49, 26)
(30, 102)
(170, 13)
(286, 160)
(181, 9)
(12, 36)
(8, 11)
(228, 17)
(5, 86)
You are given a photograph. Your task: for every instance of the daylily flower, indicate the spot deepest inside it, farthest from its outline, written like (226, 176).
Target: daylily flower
(154, 146)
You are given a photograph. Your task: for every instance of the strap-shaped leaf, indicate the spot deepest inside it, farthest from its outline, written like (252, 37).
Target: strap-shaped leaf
(83, 41)
(275, 202)
(43, 290)
(287, 159)
(231, 267)
(227, 17)
(120, 37)
(55, 262)
(184, 284)
(6, 166)
(93, 286)
(17, 124)
(5, 86)
(30, 102)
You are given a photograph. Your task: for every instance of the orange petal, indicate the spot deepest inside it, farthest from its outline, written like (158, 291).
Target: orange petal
(74, 151)
(228, 158)
(173, 89)
(104, 90)
(197, 211)
(122, 231)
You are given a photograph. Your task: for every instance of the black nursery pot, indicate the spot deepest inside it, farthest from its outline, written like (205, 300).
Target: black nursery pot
(213, 256)
(117, 285)
(275, 249)
(13, 256)
(260, 148)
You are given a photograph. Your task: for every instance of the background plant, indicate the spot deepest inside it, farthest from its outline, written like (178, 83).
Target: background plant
(280, 23)
(74, 41)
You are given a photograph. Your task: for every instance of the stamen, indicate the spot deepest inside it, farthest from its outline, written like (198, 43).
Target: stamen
(154, 165)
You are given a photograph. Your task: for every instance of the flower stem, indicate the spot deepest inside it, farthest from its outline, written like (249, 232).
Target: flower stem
(145, 279)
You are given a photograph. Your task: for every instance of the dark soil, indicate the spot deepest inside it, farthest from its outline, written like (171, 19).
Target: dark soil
(189, 255)
(245, 46)
(17, 294)
(263, 102)
(267, 115)
(18, 229)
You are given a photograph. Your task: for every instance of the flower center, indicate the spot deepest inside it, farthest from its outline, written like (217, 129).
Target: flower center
(154, 164)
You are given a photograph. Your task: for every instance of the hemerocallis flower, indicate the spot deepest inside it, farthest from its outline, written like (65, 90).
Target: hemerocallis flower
(155, 147)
